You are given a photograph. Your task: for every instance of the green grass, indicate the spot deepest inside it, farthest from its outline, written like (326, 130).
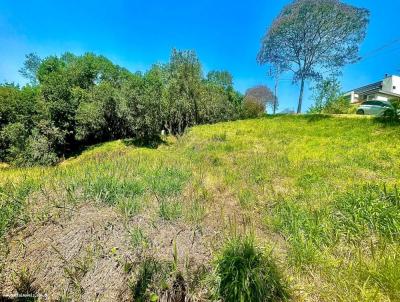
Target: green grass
(369, 209)
(12, 203)
(322, 190)
(138, 238)
(246, 274)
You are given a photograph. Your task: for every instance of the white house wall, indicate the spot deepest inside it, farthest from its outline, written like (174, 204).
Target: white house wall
(391, 84)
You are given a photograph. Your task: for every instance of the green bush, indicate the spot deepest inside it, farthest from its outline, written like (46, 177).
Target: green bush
(40, 147)
(12, 141)
(328, 98)
(340, 105)
(38, 151)
(247, 274)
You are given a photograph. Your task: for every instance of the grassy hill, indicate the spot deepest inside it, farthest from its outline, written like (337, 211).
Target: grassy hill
(319, 194)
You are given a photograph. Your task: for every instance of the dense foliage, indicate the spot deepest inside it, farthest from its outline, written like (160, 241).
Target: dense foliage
(328, 98)
(73, 101)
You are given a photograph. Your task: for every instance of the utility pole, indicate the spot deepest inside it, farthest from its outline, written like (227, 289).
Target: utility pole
(274, 72)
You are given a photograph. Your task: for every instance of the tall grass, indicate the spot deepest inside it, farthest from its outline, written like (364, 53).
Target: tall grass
(369, 209)
(247, 274)
(13, 202)
(307, 231)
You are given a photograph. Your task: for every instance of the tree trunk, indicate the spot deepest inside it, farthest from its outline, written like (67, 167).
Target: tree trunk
(300, 96)
(275, 96)
(196, 113)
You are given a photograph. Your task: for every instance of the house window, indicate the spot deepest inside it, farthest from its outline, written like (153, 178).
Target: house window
(394, 87)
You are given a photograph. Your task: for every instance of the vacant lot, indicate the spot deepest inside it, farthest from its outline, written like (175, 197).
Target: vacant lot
(119, 220)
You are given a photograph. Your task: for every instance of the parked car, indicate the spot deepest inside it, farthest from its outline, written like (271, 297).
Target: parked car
(377, 108)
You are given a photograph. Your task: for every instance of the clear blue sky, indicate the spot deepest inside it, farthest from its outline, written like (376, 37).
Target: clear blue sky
(135, 34)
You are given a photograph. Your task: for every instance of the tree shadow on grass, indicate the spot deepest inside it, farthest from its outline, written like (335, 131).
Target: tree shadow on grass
(387, 121)
(316, 117)
(308, 117)
(150, 143)
(278, 115)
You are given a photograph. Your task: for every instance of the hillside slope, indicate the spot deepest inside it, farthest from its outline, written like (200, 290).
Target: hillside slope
(319, 193)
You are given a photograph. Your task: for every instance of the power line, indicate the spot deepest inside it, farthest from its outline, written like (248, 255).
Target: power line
(381, 48)
(384, 49)
(388, 52)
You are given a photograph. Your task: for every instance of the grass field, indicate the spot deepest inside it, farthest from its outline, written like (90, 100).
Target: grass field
(318, 194)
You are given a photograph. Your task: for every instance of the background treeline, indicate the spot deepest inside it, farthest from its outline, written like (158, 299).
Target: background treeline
(73, 101)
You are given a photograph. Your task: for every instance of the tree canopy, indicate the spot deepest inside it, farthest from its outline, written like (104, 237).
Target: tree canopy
(262, 94)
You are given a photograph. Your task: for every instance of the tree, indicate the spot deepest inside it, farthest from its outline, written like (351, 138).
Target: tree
(328, 98)
(31, 66)
(60, 80)
(12, 141)
(217, 103)
(40, 147)
(324, 92)
(182, 91)
(9, 103)
(140, 103)
(312, 37)
(261, 94)
(220, 78)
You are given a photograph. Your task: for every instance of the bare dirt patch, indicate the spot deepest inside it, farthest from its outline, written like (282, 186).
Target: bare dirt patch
(87, 254)
(71, 258)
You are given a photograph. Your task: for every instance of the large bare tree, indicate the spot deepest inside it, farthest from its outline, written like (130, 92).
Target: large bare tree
(313, 37)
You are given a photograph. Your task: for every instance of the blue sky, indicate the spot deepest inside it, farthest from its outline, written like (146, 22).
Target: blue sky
(225, 34)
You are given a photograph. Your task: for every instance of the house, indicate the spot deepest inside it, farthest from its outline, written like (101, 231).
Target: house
(385, 90)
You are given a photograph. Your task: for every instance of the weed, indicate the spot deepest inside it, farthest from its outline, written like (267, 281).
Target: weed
(167, 182)
(246, 274)
(152, 275)
(170, 209)
(12, 203)
(247, 198)
(195, 207)
(109, 189)
(383, 271)
(130, 206)
(175, 255)
(138, 239)
(219, 137)
(196, 211)
(23, 282)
